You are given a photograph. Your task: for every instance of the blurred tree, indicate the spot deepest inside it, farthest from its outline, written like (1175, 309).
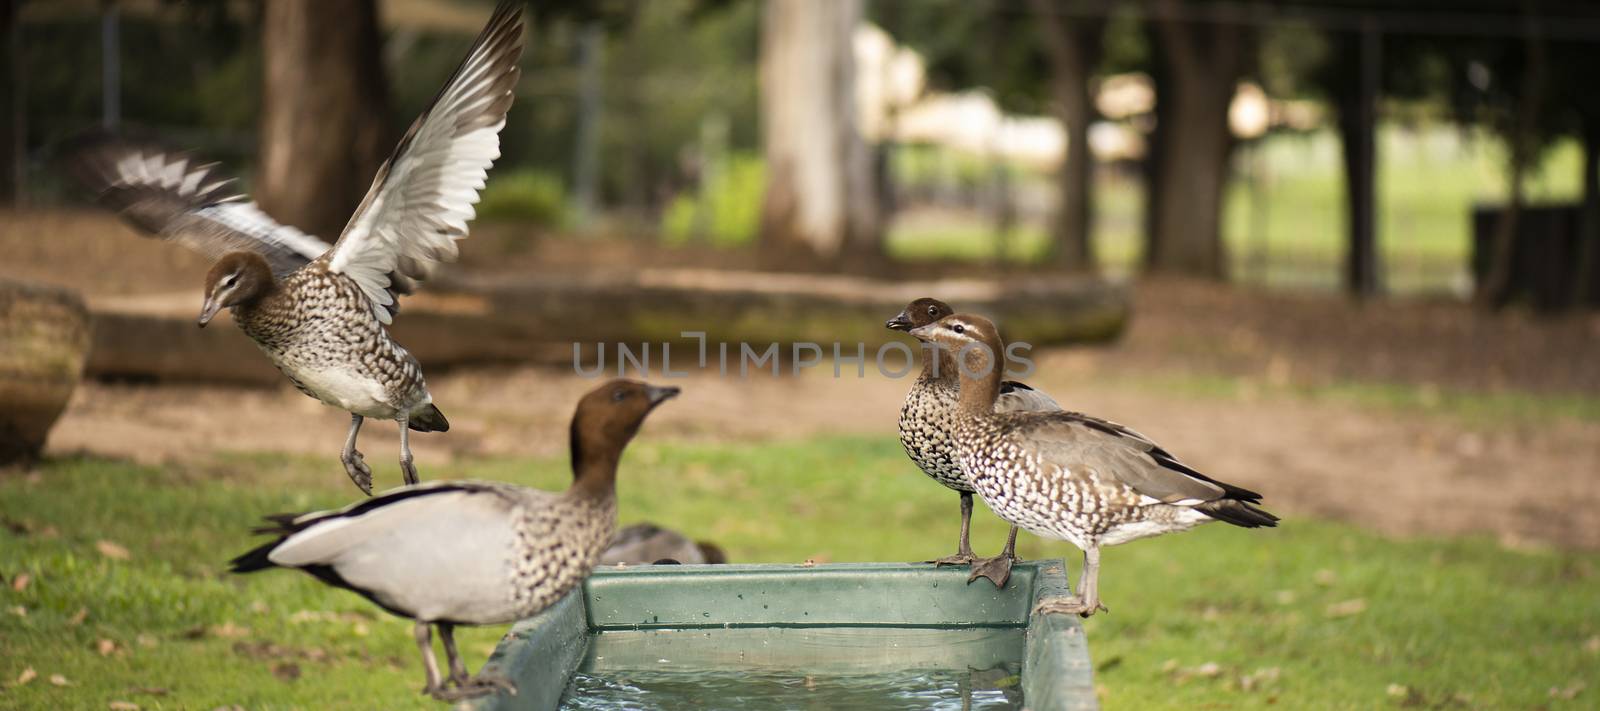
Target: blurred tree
(820, 203)
(324, 122)
(12, 112)
(1073, 45)
(1199, 60)
(1039, 56)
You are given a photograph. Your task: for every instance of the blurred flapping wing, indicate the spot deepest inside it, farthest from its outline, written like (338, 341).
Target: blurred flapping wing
(171, 195)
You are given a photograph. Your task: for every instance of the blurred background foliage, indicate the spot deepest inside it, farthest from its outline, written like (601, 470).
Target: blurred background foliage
(669, 147)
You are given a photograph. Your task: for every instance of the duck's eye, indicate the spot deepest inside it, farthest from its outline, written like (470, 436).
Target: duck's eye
(933, 311)
(619, 396)
(228, 281)
(958, 328)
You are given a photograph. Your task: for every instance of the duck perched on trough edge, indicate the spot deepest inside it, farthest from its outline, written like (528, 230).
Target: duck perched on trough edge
(1070, 476)
(927, 426)
(472, 552)
(319, 312)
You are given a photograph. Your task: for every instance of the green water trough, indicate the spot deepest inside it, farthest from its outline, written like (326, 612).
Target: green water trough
(853, 635)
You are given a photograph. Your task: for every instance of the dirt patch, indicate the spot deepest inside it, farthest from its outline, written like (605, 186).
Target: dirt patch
(1398, 473)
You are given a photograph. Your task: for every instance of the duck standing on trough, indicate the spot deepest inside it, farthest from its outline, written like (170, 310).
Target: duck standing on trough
(472, 552)
(927, 427)
(1069, 476)
(320, 313)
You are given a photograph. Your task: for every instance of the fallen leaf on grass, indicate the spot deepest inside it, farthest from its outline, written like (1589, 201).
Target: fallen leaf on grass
(229, 630)
(20, 582)
(1354, 606)
(19, 611)
(1260, 678)
(286, 671)
(78, 617)
(112, 550)
(1398, 691)
(59, 680)
(226, 630)
(123, 706)
(1325, 577)
(146, 641)
(1209, 669)
(105, 647)
(1592, 645)
(149, 690)
(26, 676)
(1568, 692)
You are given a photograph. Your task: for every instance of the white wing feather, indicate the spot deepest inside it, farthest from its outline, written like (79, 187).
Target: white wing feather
(423, 197)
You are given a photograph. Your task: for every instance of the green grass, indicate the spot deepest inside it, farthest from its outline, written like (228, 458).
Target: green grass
(1454, 622)
(1478, 408)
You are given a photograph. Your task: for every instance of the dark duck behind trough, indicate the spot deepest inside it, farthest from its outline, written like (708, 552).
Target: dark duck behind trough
(927, 427)
(455, 553)
(1070, 476)
(318, 311)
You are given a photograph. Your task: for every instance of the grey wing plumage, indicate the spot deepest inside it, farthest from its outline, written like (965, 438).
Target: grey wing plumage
(431, 551)
(1131, 458)
(174, 196)
(1018, 397)
(423, 196)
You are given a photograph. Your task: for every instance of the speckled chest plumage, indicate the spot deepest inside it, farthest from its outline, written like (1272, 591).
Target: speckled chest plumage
(927, 423)
(319, 329)
(1072, 500)
(558, 543)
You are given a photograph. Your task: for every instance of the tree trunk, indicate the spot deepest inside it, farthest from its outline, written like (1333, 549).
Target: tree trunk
(324, 127)
(1357, 97)
(12, 144)
(1522, 135)
(1073, 45)
(1202, 62)
(821, 203)
(1589, 220)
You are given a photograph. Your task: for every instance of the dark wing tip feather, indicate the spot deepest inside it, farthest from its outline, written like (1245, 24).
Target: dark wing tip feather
(255, 559)
(1013, 386)
(1238, 513)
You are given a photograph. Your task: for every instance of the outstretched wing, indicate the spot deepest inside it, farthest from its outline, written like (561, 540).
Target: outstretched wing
(422, 197)
(171, 195)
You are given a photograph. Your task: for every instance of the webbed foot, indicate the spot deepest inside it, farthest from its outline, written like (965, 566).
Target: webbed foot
(359, 472)
(1074, 605)
(996, 569)
(471, 688)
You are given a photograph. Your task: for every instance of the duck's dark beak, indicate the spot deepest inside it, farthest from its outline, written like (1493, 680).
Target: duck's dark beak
(208, 311)
(901, 322)
(659, 395)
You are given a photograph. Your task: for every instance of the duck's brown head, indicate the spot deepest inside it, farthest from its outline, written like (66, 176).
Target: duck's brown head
(607, 418)
(919, 313)
(237, 278)
(961, 334)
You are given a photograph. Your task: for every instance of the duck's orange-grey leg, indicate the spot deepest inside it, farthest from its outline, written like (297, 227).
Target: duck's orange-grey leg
(406, 467)
(963, 554)
(467, 686)
(354, 465)
(430, 663)
(1087, 601)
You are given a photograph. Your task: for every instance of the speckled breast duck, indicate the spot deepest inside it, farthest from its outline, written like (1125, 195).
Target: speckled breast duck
(320, 312)
(927, 429)
(446, 554)
(1070, 476)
